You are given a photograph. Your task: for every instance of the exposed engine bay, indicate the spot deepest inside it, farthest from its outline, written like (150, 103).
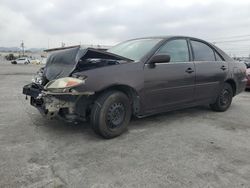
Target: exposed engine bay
(83, 65)
(64, 62)
(87, 64)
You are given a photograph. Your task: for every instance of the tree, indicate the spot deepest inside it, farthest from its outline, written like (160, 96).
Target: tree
(10, 57)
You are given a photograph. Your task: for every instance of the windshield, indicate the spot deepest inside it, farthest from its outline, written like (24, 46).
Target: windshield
(134, 49)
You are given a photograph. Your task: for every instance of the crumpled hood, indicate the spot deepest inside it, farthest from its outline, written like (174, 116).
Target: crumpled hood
(62, 63)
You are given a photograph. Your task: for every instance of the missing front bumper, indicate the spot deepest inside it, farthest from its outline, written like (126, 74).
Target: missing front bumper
(67, 107)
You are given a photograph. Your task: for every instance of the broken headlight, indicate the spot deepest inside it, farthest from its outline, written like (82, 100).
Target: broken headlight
(38, 78)
(64, 84)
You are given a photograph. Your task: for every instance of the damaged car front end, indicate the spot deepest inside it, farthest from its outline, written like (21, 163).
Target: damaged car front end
(58, 89)
(58, 98)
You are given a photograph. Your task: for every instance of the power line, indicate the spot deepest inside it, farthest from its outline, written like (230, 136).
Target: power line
(231, 41)
(233, 48)
(247, 52)
(237, 50)
(235, 36)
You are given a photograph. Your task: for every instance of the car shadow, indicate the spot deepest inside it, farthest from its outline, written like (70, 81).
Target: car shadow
(64, 128)
(60, 127)
(172, 115)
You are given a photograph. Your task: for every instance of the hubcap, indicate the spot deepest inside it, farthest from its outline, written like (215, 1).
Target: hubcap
(225, 97)
(115, 115)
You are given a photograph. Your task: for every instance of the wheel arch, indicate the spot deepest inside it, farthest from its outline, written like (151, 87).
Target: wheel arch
(233, 85)
(131, 93)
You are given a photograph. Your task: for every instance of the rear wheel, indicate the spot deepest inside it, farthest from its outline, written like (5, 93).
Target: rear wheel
(111, 114)
(224, 99)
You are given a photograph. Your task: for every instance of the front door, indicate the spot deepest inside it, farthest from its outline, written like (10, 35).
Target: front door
(170, 84)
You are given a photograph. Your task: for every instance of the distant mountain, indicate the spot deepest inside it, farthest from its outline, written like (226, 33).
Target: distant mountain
(9, 49)
(16, 49)
(35, 49)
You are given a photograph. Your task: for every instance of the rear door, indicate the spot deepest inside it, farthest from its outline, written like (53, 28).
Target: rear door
(172, 83)
(211, 71)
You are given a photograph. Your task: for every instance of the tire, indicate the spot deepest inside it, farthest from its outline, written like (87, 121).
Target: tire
(224, 99)
(111, 114)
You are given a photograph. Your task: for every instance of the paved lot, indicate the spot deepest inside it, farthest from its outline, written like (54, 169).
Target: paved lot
(187, 148)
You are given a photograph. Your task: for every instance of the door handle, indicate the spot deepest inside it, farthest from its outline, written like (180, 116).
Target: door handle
(189, 70)
(223, 67)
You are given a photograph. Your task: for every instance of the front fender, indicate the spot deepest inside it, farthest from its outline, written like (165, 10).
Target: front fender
(129, 74)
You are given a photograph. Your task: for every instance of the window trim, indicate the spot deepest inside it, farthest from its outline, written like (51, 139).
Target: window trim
(218, 54)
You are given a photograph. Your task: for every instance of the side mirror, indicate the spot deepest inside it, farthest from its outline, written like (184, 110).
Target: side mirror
(160, 58)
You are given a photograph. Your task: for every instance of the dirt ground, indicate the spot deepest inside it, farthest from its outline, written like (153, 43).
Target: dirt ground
(187, 148)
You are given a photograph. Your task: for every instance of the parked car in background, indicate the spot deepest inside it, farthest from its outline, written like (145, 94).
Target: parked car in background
(248, 75)
(247, 63)
(43, 61)
(21, 60)
(138, 77)
(35, 61)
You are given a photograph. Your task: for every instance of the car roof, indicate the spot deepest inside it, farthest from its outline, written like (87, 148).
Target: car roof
(166, 37)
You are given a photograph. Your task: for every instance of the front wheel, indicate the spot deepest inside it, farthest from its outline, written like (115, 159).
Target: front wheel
(224, 99)
(111, 114)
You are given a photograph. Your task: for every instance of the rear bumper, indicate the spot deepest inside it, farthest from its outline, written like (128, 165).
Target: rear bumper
(241, 86)
(248, 82)
(67, 107)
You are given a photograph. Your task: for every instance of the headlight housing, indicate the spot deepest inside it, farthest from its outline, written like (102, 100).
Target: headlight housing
(64, 84)
(38, 78)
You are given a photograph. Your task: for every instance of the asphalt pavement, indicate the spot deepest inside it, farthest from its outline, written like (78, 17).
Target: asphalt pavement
(186, 148)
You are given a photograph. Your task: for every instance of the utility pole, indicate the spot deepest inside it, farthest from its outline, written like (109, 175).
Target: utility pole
(22, 47)
(63, 44)
(48, 43)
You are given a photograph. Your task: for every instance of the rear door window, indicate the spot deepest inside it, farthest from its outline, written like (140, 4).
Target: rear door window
(202, 52)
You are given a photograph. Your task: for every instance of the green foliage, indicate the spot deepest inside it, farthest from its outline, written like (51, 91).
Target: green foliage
(10, 57)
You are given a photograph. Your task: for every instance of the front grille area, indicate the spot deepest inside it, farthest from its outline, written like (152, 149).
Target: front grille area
(36, 102)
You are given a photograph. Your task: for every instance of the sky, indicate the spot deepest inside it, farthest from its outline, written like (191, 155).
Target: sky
(48, 23)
